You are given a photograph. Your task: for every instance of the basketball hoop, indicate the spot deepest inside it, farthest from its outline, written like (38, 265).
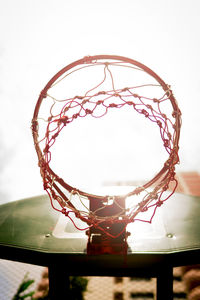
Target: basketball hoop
(145, 93)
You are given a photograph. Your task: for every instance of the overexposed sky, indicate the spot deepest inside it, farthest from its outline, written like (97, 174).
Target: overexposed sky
(37, 38)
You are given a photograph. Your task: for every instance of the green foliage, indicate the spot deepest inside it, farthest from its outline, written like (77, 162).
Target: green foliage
(78, 285)
(20, 294)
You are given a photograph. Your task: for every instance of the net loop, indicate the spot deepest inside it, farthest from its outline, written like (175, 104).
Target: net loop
(43, 93)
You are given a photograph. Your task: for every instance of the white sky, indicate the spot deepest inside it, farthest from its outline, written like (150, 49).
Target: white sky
(39, 37)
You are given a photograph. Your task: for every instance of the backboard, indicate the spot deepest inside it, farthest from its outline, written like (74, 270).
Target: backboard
(30, 231)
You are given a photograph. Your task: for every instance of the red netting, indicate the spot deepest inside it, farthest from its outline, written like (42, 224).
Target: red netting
(55, 110)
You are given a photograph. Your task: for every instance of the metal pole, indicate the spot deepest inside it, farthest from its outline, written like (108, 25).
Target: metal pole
(165, 284)
(59, 284)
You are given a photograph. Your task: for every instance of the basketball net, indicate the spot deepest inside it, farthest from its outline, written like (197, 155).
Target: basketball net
(144, 93)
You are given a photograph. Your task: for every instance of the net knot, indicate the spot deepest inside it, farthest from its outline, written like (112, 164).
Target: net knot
(53, 194)
(88, 111)
(159, 123)
(79, 97)
(101, 93)
(172, 175)
(117, 95)
(112, 105)
(75, 116)
(99, 102)
(46, 185)
(55, 136)
(34, 125)
(145, 113)
(85, 101)
(168, 92)
(136, 96)
(149, 106)
(164, 116)
(159, 203)
(64, 120)
(77, 214)
(125, 89)
(64, 212)
(165, 187)
(176, 113)
(169, 135)
(166, 142)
